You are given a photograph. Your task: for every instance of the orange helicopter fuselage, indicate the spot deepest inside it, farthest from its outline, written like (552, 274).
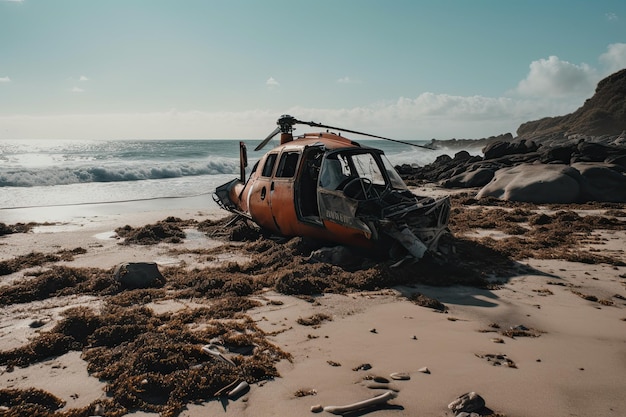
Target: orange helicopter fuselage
(281, 197)
(327, 187)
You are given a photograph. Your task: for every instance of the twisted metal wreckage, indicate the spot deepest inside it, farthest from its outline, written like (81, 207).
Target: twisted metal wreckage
(328, 187)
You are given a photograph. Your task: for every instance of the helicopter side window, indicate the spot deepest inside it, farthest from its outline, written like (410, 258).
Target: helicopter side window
(268, 167)
(287, 165)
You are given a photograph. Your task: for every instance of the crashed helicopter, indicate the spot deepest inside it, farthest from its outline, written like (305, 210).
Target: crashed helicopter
(330, 188)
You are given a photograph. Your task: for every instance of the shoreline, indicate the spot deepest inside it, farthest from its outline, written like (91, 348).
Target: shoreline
(571, 364)
(86, 213)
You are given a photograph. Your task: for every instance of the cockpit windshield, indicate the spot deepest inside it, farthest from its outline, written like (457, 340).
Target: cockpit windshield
(339, 168)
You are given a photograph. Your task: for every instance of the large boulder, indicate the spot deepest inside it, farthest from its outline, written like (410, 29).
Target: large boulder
(535, 183)
(470, 179)
(499, 149)
(558, 183)
(602, 182)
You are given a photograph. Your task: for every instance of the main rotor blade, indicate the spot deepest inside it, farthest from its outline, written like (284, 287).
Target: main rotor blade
(267, 139)
(314, 124)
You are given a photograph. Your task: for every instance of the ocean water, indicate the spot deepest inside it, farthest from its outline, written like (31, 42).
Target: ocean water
(40, 174)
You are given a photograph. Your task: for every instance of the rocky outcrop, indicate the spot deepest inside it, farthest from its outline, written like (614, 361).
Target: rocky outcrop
(573, 158)
(604, 114)
(523, 172)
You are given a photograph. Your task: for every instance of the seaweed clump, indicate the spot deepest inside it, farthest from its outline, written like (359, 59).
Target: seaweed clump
(37, 259)
(166, 231)
(30, 402)
(151, 362)
(7, 229)
(537, 235)
(59, 281)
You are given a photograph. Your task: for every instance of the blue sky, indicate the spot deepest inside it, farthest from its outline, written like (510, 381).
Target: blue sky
(76, 69)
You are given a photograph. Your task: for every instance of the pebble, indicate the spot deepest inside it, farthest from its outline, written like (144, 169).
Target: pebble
(317, 408)
(468, 402)
(497, 340)
(35, 324)
(400, 376)
(424, 370)
(363, 367)
(98, 410)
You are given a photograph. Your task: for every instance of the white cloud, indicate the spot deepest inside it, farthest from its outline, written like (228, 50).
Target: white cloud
(77, 90)
(426, 116)
(611, 17)
(440, 116)
(271, 82)
(555, 78)
(5, 80)
(553, 87)
(347, 80)
(171, 124)
(614, 58)
(83, 78)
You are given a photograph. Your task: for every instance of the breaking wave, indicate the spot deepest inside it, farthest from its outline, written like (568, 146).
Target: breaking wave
(114, 172)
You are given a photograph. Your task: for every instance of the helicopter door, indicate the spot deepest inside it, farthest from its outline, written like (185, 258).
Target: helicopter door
(306, 186)
(334, 205)
(259, 199)
(282, 192)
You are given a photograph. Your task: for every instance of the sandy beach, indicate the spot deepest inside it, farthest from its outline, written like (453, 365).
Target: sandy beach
(531, 316)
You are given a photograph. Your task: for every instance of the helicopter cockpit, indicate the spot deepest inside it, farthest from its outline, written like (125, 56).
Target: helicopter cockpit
(361, 174)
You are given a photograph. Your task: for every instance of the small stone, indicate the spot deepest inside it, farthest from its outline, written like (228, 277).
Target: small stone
(497, 340)
(317, 408)
(424, 370)
(373, 331)
(363, 367)
(467, 402)
(35, 324)
(381, 379)
(98, 410)
(400, 376)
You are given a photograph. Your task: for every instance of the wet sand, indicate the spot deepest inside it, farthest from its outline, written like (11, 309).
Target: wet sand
(530, 313)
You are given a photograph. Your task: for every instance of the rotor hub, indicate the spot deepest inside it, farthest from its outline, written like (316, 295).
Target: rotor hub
(286, 123)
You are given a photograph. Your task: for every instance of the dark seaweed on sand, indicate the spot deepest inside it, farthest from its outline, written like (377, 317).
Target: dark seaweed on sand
(37, 259)
(7, 229)
(168, 231)
(428, 302)
(155, 363)
(58, 281)
(537, 235)
(29, 402)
